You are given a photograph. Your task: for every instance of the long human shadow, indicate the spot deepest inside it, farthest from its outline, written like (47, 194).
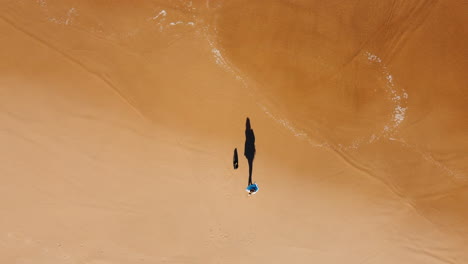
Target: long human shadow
(249, 147)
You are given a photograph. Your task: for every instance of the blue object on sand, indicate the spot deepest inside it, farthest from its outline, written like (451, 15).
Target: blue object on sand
(252, 188)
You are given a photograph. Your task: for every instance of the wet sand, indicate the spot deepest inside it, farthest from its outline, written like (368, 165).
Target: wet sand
(119, 120)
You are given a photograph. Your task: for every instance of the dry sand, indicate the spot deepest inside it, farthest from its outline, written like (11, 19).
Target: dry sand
(118, 120)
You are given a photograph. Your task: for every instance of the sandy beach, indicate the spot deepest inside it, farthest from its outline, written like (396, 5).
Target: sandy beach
(118, 122)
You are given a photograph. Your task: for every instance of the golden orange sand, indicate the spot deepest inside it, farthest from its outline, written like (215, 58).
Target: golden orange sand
(118, 120)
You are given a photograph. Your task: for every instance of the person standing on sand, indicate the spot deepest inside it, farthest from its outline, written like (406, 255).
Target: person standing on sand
(249, 147)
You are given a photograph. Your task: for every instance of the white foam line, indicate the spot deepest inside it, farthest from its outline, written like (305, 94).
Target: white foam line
(296, 132)
(161, 18)
(182, 23)
(373, 57)
(176, 23)
(223, 62)
(285, 123)
(398, 96)
(163, 13)
(69, 15)
(67, 20)
(227, 66)
(64, 21)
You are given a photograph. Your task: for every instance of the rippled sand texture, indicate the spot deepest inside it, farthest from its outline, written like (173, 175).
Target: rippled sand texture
(118, 120)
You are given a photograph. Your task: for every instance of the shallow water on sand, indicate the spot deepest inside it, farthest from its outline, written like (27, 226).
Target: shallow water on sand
(359, 112)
